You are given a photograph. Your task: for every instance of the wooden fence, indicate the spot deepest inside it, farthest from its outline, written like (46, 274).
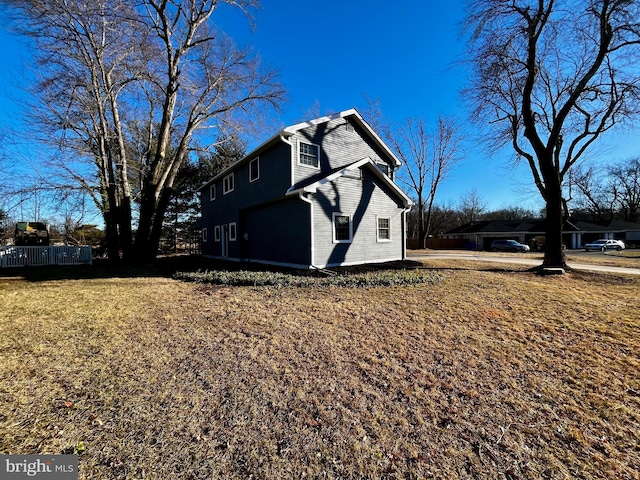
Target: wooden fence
(13, 256)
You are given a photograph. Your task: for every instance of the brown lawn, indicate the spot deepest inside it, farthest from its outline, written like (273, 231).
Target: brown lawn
(486, 374)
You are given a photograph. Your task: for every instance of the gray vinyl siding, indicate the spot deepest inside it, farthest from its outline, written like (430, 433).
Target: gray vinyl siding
(273, 182)
(273, 228)
(279, 232)
(338, 147)
(365, 201)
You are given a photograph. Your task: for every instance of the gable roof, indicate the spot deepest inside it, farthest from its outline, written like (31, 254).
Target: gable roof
(286, 132)
(614, 225)
(354, 115)
(313, 185)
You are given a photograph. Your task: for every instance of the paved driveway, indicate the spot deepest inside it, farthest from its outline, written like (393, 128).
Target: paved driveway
(526, 260)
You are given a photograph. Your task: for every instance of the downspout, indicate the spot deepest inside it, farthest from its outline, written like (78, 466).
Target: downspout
(404, 232)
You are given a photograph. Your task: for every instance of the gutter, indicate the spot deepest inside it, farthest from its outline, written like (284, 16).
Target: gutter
(404, 231)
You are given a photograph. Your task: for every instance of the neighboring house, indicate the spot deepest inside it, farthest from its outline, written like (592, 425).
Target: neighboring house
(576, 233)
(317, 194)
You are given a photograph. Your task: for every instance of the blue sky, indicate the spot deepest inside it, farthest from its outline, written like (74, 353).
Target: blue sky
(332, 53)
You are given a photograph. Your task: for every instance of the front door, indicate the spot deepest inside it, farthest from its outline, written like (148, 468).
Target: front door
(225, 240)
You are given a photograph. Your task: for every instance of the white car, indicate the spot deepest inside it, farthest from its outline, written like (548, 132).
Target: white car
(604, 244)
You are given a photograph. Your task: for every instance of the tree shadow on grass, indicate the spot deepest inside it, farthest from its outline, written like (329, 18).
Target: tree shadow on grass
(458, 268)
(162, 267)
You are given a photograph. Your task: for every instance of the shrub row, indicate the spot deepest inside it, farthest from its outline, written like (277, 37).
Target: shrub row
(248, 278)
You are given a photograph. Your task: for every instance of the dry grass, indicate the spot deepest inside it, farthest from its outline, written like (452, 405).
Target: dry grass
(483, 375)
(625, 258)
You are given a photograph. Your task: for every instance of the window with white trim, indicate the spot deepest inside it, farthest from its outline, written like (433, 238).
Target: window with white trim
(385, 168)
(384, 229)
(232, 231)
(254, 170)
(349, 126)
(216, 233)
(228, 184)
(309, 154)
(204, 235)
(342, 228)
(212, 192)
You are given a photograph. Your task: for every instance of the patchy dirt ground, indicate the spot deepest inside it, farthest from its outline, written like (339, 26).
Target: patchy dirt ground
(486, 374)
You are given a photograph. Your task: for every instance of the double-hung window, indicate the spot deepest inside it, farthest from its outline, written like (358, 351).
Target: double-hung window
(309, 154)
(384, 229)
(254, 170)
(212, 192)
(228, 184)
(342, 228)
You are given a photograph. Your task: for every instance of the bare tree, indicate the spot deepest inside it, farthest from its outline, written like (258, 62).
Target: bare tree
(625, 188)
(429, 156)
(443, 218)
(510, 212)
(472, 207)
(592, 196)
(372, 111)
(131, 86)
(551, 76)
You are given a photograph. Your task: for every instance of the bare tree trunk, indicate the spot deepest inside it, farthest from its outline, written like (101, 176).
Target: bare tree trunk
(421, 219)
(427, 228)
(553, 250)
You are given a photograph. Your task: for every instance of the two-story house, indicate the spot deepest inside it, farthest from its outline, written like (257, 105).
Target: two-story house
(317, 194)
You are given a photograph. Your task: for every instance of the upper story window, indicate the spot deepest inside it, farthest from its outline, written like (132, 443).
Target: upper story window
(212, 192)
(385, 168)
(228, 184)
(309, 154)
(204, 235)
(254, 170)
(349, 126)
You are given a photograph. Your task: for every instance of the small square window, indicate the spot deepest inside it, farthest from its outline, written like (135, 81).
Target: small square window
(216, 233)
(212, 192)
(228, 184)
(254, 170)
(384, 229)
(309, 154)
(232, 231)
(385, 168)
(342, 228)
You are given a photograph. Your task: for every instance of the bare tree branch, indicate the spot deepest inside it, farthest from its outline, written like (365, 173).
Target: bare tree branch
(107, 64)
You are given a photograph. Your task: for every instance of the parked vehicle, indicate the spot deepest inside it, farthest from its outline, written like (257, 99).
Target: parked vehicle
(508, 246)
(604, 244)
(31, 234)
